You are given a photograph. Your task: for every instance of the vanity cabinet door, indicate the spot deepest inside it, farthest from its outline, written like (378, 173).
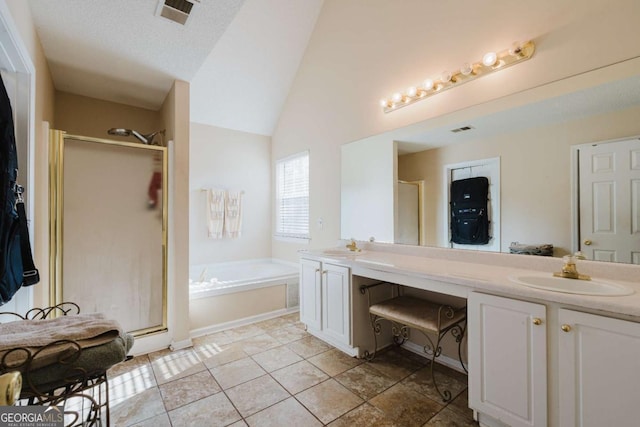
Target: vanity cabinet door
(599, 361)
(311, 293)
(507, 359)
(336, 322)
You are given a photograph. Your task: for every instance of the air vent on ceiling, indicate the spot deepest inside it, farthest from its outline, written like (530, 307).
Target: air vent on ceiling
(176, 10)
(462, 129)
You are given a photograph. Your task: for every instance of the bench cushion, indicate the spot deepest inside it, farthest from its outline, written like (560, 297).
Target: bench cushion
(416, 313)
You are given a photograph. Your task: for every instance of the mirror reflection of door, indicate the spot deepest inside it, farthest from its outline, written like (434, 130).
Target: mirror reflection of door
(609, 192)
(408, 229)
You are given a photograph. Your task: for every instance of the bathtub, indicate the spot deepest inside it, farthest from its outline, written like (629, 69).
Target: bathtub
(231, 294)
(206, 280)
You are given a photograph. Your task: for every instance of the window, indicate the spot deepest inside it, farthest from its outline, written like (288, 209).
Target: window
(292, 196)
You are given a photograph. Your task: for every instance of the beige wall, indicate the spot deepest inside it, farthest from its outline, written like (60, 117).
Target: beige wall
(230, 160)
(535, 176)
(363, 50)
(81, 115)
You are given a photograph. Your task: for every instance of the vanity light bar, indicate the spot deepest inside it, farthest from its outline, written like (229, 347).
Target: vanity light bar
(491, 62)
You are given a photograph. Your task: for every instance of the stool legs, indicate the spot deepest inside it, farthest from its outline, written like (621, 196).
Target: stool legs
(435, 350)
(401, 334)
(376, 328)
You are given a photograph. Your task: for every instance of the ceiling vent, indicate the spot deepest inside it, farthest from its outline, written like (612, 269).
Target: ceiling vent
(176, 10)
(462, 129)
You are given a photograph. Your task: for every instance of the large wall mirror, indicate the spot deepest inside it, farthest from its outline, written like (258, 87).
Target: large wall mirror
(544, 139)
(109, 235)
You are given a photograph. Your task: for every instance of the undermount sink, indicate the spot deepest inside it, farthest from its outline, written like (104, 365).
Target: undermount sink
(572, 286)
(340, 252)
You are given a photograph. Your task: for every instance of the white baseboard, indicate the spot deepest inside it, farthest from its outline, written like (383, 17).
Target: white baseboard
(442, 359)
(149, 343)
(241, 322)
(179, 345)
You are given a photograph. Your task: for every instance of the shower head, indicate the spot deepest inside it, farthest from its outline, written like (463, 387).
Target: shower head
(145, 139)
(119, 132)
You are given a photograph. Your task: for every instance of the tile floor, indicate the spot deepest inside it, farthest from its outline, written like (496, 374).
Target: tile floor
(273, 373)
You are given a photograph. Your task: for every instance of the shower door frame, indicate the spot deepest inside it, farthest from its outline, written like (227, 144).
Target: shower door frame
(56, 204)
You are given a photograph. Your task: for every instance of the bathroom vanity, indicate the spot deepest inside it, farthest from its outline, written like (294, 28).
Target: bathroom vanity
(536, 357)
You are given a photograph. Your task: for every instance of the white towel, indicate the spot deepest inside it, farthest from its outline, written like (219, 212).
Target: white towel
(215, 213)
(233, 214)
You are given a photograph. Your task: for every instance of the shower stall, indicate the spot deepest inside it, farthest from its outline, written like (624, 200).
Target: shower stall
(108, 240)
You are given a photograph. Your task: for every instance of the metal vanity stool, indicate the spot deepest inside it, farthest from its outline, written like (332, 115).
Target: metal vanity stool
(408, 312)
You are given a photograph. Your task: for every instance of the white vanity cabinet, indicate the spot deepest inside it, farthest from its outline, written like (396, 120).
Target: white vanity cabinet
(599, 370)
(325, 301)
(507, 359)
(594, 365)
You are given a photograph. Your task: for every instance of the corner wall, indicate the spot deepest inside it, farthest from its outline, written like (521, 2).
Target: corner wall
(230, 160)
(175, 119)
(81, 115)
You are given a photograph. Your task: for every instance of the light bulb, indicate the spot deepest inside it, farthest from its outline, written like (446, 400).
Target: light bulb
(428, 84)
(466, 69)
(384, 103)
(445, 76)
(412, 91)
(397, 97)
(489, 59)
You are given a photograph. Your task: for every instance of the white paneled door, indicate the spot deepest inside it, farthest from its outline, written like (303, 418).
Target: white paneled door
(609, 190)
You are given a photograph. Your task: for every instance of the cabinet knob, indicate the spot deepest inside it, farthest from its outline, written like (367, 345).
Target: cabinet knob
(324, 271)
(565, 328)
(537, 321)
(317, 270)
(588, 242)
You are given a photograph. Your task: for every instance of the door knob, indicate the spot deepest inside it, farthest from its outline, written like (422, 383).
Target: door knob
(587, 242)
(537, 321)
(565, 328)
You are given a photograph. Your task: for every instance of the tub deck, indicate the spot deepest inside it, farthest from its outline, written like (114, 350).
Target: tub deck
(208, 280)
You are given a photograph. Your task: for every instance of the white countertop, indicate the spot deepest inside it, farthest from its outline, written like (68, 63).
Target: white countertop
(416, 268)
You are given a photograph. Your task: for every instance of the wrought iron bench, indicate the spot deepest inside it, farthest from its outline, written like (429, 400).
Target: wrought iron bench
(429, 318)
(64, 369)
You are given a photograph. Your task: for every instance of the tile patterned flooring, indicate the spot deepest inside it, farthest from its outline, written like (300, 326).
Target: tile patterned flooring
(273, 373)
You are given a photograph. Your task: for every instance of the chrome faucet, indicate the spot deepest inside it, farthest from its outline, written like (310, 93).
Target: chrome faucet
(569, 270)
(352, 246)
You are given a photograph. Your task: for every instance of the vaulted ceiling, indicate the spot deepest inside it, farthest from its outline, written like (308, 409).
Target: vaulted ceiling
(240, 56)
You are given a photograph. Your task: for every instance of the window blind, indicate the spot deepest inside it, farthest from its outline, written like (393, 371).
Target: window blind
(292, 196)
